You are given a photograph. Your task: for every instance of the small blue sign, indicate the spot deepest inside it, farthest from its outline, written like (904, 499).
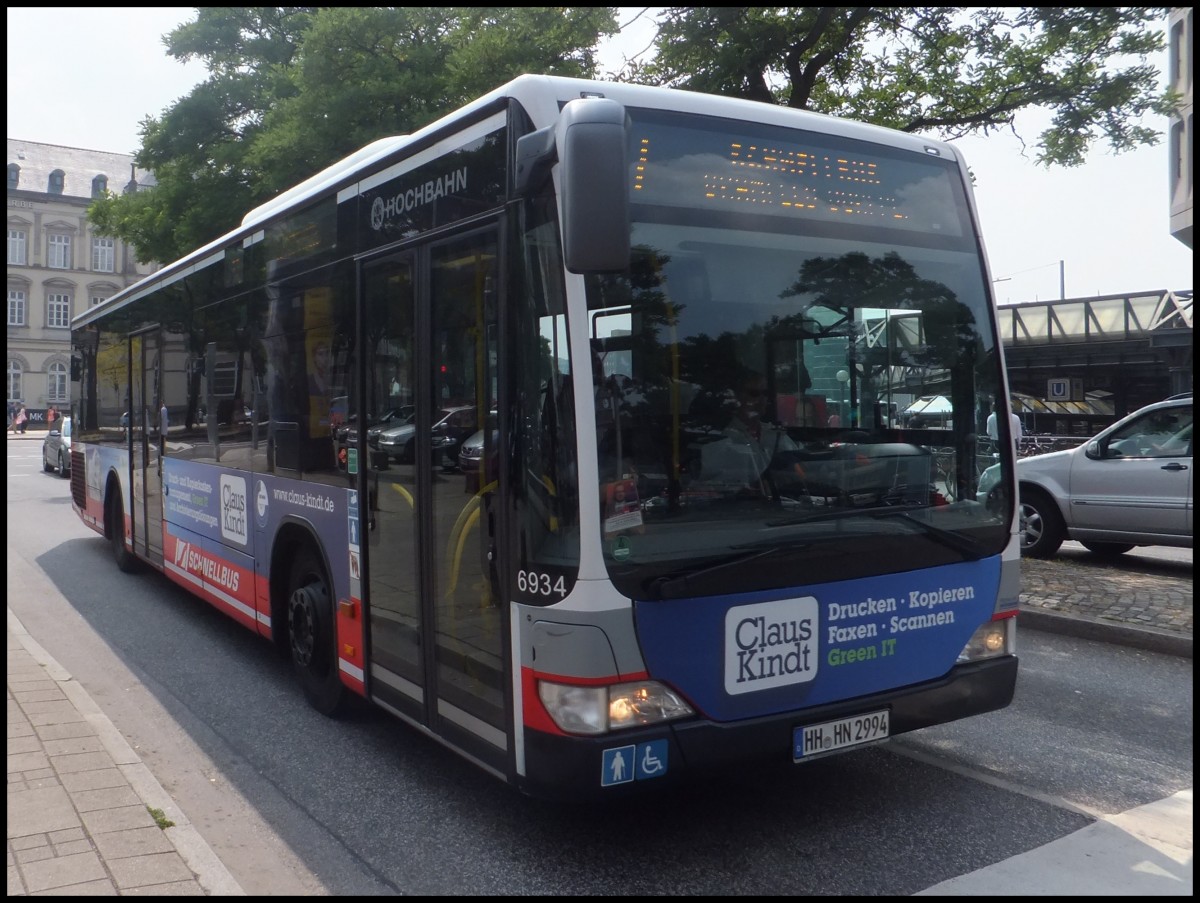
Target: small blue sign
(651, 760)
(629, 763)
(353, 531)
(617, 766)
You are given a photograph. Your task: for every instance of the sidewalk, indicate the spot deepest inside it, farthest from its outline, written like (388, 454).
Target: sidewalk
(84, 812)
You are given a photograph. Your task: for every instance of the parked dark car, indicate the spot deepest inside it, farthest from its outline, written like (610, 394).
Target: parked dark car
(451, 427)
(56, 448)
(345, 431)
(398, 416)
(470, 455)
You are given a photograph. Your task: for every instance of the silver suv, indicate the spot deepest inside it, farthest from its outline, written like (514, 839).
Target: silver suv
(1129, 486)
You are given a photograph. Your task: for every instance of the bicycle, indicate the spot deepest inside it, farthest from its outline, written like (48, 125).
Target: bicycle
(945, 463)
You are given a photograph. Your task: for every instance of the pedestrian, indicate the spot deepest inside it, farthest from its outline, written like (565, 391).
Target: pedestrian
(50, 417)
(20, 420)
(993, 428)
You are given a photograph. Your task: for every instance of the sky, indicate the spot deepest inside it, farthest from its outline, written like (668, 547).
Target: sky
(86, 78)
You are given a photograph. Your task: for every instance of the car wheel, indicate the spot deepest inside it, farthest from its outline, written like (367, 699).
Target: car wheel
(1042, 528)
(311, 634)
(46, 465)
(125, 559)
(64, 468)
(1107, 548)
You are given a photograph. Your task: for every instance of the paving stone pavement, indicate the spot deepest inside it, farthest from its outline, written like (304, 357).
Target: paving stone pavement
(85, 815)
(1131, 599)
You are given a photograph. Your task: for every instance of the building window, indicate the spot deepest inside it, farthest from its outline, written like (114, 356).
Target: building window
(14, 175)
(16, 247)
(99, 186)
(96, 299)
(60, 252)
(56, 382)
(103, 256)
(16, 307)
(14, 381)
(57, 180)
(58, 311)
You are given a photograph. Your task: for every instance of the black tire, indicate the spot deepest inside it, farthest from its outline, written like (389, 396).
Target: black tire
(64, 467)
(1107, 548)
(311, 635)
(46, 465)
(1042, 528)
(125, 559)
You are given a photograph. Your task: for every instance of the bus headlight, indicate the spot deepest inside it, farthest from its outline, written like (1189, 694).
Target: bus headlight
(993, 639)
(597, 710)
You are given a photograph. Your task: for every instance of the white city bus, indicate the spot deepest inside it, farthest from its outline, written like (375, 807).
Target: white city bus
(699, 534)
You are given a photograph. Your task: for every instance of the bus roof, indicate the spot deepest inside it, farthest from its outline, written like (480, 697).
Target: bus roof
(541, 96)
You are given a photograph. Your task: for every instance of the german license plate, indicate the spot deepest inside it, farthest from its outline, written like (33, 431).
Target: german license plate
(814, 740)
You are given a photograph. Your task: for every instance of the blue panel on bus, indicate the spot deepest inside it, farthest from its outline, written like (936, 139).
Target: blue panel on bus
(766, 652)
(236, 514)
(207, 500)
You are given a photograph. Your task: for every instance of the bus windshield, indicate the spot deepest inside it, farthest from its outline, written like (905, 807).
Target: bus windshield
(804, 339)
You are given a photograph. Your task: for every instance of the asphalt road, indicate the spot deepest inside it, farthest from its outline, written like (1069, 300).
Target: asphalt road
(294, 803)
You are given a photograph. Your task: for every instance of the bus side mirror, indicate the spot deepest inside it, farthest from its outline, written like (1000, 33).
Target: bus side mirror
(592, 136)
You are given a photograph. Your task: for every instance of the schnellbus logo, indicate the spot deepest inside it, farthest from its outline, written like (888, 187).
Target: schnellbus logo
(233, 509)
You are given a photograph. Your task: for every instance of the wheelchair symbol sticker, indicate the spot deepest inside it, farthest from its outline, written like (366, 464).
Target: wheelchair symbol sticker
(623, 764)
(651, 760)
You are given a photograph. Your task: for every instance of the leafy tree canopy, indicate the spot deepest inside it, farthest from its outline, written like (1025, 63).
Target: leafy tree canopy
(952, 71)
(293, 89)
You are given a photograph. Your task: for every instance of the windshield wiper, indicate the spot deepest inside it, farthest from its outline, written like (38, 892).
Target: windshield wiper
(948, 538)
(680, 586)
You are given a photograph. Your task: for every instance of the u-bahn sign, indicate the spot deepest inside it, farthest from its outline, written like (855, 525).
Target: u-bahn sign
(1064, 389)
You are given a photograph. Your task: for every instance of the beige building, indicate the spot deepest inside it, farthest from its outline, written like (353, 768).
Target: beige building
(57, 265)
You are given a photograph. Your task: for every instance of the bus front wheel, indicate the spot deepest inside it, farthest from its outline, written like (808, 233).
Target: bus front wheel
(311, 634)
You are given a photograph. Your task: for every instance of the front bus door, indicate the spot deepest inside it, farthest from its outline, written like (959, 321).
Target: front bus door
(147, 513)
(437, 629)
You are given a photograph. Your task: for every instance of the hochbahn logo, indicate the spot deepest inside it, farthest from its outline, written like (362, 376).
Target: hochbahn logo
(384, 209)
(771, 644)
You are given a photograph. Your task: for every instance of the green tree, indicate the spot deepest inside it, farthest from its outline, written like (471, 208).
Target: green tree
(951, 71)
(293, 89)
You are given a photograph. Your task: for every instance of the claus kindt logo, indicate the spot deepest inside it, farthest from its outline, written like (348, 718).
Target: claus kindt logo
(770, 644)
(233, 509)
